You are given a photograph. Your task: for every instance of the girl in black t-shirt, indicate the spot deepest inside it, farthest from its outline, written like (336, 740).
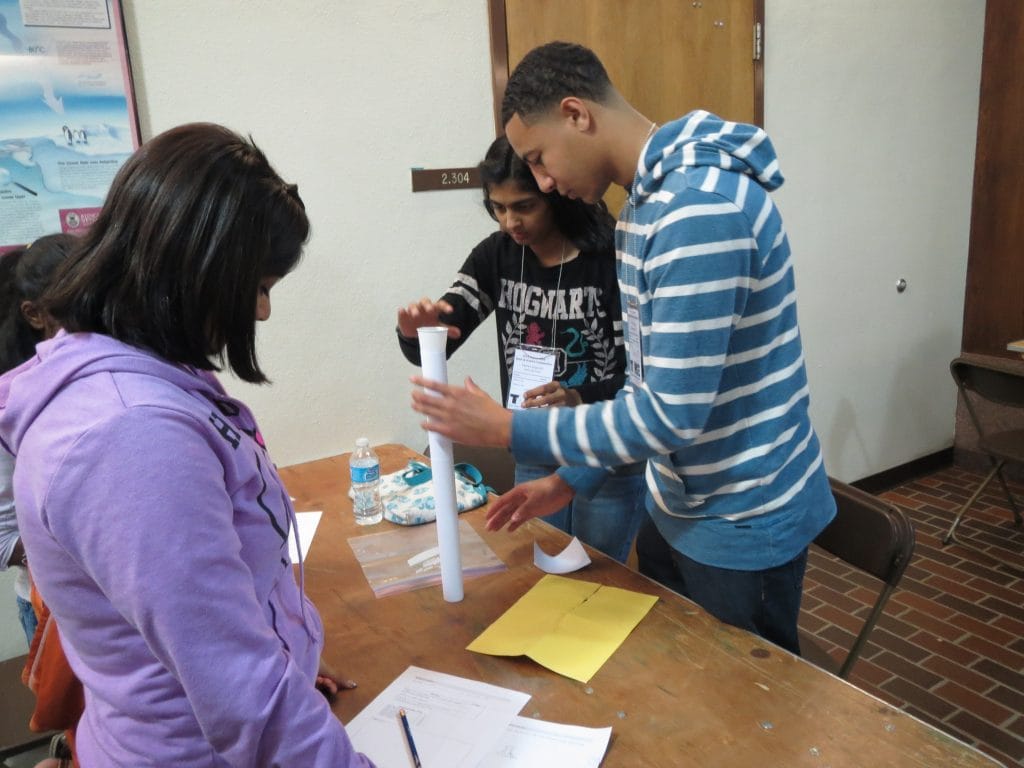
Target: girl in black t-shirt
(548, 276)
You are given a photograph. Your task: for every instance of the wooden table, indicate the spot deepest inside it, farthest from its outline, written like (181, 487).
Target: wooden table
(683, 689)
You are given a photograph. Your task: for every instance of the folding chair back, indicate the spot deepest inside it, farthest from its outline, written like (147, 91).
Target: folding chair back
(979, 380)
(874, 536)
(988, 382)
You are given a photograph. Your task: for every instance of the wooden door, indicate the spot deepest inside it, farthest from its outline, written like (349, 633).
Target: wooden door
(667, 57)
(994, 300)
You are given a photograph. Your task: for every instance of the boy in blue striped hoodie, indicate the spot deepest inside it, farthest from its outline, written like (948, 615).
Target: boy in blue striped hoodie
(717, 396)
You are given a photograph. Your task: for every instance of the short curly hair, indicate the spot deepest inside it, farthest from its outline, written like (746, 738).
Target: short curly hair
(548, 74)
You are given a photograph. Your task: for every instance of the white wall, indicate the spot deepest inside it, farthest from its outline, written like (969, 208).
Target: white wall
(872, 106)
(12, 639)
(345, 97)
(873, 109)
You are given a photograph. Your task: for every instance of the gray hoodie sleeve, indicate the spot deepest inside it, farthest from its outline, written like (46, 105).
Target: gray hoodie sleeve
(8, 521)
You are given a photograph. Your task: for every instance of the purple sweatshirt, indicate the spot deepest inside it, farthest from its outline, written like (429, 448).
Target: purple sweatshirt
(157, 529)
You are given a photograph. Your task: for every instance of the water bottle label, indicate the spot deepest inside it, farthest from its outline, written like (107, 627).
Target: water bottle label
(365, 474)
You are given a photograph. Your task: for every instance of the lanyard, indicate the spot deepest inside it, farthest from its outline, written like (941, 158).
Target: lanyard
(558, 286)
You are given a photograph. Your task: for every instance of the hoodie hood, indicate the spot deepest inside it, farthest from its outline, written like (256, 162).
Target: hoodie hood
(26, 390)
(701, 139)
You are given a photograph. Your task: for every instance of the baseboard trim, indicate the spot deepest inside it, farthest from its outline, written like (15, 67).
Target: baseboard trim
(890, 478)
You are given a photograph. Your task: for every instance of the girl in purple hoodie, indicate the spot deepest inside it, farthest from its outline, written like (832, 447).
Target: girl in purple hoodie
(24, 274)
(147, 502)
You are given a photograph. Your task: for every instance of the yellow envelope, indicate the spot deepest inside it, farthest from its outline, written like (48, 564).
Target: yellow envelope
(571, 627)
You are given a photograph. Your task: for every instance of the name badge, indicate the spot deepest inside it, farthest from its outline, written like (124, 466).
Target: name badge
(634, 338)
(531, 367)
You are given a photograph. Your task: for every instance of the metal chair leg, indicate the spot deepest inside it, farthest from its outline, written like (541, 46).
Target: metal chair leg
(1009, 496)
(862, 636)
(951, 535)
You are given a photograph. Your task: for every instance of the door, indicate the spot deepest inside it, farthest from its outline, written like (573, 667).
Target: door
(667, 57)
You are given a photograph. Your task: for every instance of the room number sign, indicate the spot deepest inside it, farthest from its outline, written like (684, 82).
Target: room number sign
(433, 179)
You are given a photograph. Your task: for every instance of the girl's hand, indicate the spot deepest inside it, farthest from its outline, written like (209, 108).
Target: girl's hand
(551, 394)
(425, 314)
(329, 683)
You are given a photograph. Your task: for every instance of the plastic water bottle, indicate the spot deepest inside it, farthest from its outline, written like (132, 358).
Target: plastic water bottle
(364, 469)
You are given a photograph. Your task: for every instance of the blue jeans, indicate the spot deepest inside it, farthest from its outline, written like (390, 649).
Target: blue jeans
(766, 602)
(27, 616)
(609, 521)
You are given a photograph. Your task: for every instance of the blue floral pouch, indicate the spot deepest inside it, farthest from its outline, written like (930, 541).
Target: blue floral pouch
(408, 495)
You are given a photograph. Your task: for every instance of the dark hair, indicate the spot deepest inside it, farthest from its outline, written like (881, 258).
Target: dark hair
(548, 74)
(24, 275)
(192, 222)
(587, 226)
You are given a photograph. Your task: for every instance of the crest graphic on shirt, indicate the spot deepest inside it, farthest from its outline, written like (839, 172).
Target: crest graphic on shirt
(602, 351)
(578, 378)
(576, 347)
(510, 340)
(587, 355)
(534, 335)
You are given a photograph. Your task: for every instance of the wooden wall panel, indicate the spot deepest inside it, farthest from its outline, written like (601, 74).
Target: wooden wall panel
(994, 299)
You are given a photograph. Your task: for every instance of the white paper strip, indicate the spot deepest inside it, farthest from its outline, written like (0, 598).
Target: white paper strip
(570, 559)
(434, 364)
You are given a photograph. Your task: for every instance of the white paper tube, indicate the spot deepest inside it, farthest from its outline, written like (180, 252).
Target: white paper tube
(434, 364)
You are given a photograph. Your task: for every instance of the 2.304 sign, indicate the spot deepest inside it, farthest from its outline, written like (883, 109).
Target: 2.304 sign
(432, 179)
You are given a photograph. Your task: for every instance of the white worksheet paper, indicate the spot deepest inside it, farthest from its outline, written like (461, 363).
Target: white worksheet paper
(530, 743)
(306, 523)
(455, 722)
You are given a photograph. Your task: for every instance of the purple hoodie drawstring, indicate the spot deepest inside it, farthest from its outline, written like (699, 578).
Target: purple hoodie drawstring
(302, 566)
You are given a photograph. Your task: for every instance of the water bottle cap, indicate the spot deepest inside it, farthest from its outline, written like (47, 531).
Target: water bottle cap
(362, 442)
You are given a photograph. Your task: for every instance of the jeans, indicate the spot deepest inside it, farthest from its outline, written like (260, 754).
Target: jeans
(609, 521)
(27, 616)
(766, 602)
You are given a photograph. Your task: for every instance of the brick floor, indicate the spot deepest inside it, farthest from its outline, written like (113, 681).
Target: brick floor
(950, 646)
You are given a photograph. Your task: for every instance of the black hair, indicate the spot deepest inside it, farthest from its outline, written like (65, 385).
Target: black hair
(550, 73)
(192, 223)
(587, 226)
(24, 275)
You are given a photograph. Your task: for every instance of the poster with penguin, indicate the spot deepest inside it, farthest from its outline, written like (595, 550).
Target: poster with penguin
(67, 114)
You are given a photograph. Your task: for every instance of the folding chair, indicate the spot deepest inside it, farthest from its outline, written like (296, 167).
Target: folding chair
(874, 536)
(976, 380)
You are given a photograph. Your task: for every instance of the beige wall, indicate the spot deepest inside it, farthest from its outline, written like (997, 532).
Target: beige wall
(345, 98)
(873, 109)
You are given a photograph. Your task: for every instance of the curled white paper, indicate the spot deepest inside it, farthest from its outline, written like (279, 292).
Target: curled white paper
(570, 559)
